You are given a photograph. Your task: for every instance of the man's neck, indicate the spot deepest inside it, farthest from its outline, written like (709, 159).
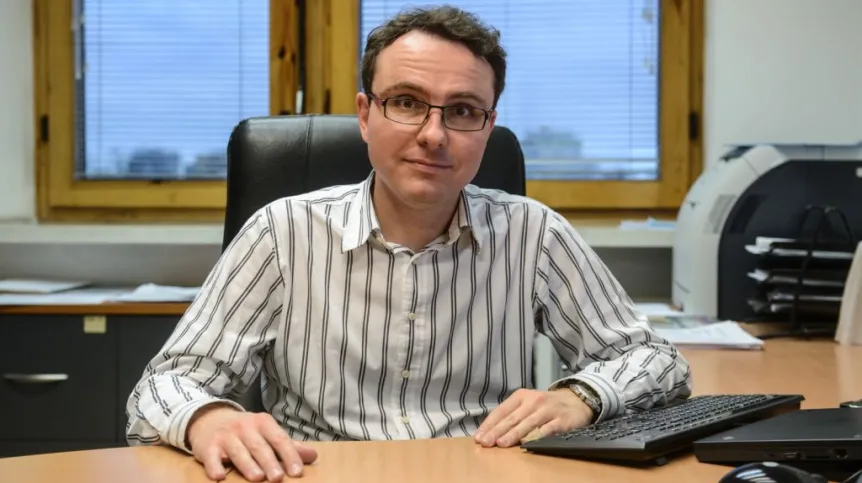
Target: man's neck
(413, 228)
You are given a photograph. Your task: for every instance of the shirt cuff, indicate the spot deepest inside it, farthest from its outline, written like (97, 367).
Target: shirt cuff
(612, 404)
(177, 428)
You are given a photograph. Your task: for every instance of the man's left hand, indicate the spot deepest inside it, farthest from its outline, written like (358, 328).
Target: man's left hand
(527, 411)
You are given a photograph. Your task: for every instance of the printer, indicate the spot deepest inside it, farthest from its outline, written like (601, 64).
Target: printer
(755, 191)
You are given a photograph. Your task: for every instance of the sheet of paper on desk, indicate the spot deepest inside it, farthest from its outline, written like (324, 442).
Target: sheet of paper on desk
(658, 311)
(720, 335)
(648, 224)
(36, 286)
(73, 297)
(150, 292)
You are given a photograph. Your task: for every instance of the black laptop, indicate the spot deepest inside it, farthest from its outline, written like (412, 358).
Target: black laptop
(819, 439)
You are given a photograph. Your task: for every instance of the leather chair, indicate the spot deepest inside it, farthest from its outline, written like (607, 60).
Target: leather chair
(273, 157)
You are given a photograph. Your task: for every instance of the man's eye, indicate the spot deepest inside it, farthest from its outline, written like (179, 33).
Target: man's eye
(462, 111)
(405, 103)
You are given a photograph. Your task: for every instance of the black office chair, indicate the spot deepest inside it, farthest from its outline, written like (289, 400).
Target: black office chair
(272, 157)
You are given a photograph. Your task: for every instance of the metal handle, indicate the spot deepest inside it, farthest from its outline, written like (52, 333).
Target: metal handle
(35, 378)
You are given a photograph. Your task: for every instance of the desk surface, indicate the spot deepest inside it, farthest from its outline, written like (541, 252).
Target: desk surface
(821, 370)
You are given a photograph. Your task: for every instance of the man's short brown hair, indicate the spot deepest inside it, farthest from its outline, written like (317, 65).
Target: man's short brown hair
(448, 22)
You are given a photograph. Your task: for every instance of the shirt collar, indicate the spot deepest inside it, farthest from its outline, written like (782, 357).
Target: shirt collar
(362, 222)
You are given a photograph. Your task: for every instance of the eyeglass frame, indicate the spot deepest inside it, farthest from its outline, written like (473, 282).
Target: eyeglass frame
(383, 101)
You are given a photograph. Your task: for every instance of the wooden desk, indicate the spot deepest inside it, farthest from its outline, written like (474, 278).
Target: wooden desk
(822, 371)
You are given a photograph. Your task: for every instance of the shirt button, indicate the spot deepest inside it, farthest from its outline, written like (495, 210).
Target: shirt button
(405, 374)
(405, 420)
(411, 316)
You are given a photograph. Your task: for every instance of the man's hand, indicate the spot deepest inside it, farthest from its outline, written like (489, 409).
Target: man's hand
(528, 411)
(253, 442)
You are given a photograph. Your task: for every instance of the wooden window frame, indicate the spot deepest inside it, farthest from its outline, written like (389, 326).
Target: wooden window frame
(332, 49)
(60, 197)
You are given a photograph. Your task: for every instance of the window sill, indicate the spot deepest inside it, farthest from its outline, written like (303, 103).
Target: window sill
(597, 233)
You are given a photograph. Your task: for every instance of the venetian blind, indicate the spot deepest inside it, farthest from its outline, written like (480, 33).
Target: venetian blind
(582, 83)
(160, 84)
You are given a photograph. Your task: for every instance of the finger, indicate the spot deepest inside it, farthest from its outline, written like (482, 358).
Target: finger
(552, 427)
(263, 454)
(211, 458)
(495, 434)
(529, 423)
(306, 453)
(497, 415)
(242, 459)
(285, 448)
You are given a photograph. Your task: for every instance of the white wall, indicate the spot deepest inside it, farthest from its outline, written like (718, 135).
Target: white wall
(17, 191)
(783, 71)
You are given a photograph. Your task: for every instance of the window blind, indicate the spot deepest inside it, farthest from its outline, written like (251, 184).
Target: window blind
(160, 84)
(582, 82)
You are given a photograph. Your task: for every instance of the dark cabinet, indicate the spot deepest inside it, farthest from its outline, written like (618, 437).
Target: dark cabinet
(64, 384)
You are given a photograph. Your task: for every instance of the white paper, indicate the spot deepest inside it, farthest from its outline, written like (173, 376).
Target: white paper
(151, 292)
(657, 310)
(75, 297)
(791, 252)
(762, 275)
(648, 224)
(849, 330)
(719, 335)
(35, 286)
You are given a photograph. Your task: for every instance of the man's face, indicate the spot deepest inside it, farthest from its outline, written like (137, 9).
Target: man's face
(426, 165)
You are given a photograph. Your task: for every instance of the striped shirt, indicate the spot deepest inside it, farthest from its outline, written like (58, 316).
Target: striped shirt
(361, 339)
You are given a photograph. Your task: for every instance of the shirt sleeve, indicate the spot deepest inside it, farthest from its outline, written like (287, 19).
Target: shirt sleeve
(598, 332)
(215, 349)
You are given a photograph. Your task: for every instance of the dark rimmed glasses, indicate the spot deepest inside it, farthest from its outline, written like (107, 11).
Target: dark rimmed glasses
(407, 110)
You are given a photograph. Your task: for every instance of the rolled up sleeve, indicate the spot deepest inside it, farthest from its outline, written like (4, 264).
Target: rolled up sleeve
(215, 351)
(598, 331)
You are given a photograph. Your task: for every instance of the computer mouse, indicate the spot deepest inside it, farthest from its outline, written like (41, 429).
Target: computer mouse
(770, 472)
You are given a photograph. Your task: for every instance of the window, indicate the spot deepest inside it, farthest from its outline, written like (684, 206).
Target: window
(162, 83)
(600, 95)
(136, 101)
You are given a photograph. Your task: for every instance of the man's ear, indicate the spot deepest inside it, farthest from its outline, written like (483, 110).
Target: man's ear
(492, 118)
(363, 108)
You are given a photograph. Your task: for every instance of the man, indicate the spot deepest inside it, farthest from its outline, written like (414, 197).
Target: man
(404, 306)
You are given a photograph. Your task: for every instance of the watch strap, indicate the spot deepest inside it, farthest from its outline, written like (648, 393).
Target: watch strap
(589, 397)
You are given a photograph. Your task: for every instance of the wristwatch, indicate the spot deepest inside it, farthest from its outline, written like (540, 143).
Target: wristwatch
(588, 396)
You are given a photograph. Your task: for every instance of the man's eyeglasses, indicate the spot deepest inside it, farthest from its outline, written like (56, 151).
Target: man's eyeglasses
(458, 117)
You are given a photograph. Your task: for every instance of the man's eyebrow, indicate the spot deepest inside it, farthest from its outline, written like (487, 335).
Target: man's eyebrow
(404, 86)
(470, 95)
(421, 90)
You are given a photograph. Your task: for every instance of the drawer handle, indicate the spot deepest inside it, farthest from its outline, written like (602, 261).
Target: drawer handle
(35, 378)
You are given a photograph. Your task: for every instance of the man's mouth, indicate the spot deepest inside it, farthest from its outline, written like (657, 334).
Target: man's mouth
(428, 164)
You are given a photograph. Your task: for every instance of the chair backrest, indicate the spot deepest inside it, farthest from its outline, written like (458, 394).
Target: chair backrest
(272, 157)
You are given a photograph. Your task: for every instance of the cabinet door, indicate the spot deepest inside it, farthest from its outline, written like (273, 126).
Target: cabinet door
(58, 379)
(140, 338)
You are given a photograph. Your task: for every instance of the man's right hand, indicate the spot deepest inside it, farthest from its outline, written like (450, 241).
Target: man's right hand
(253, 442)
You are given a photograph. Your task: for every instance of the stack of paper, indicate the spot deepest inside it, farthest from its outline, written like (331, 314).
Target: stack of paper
(85, 296)
(34, 286)
(658, 311)
(719, 335)
(150, 292)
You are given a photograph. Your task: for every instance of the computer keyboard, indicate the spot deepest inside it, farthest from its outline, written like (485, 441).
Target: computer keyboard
(651, 435)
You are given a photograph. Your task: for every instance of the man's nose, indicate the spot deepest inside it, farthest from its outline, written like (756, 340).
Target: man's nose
(433, 133)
